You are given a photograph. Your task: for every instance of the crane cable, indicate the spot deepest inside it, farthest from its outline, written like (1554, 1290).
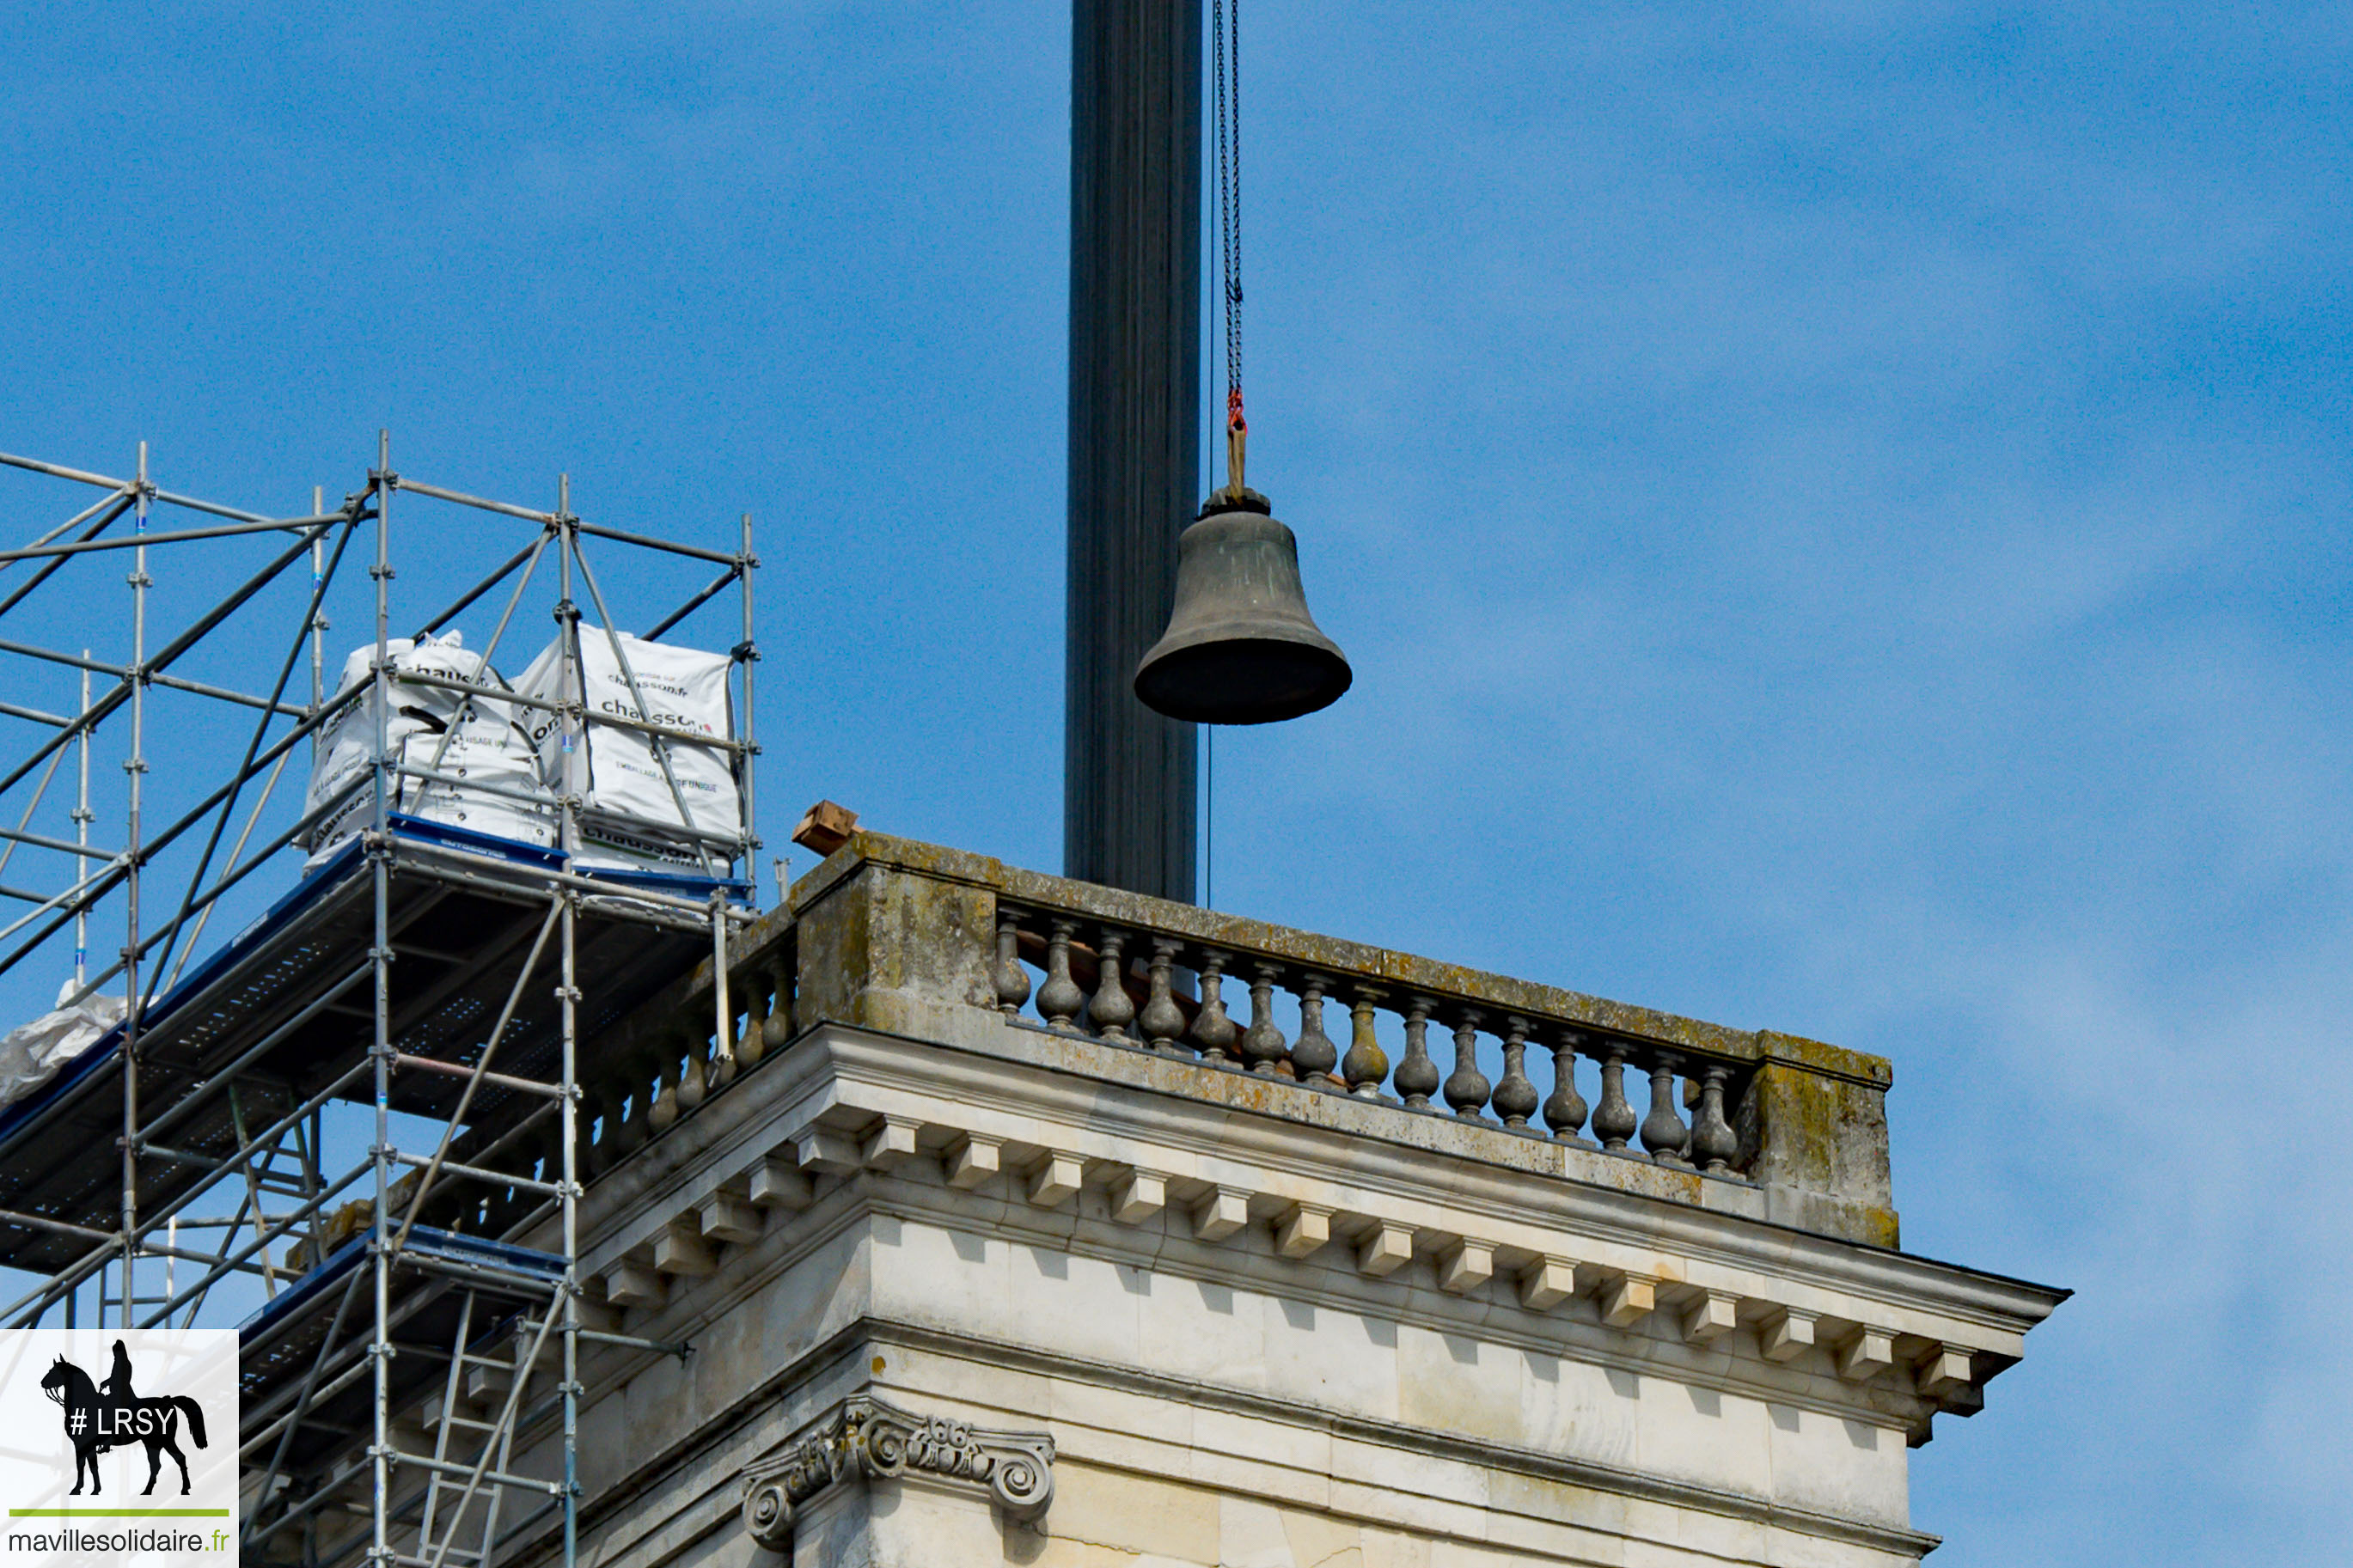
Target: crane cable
(1225, 74)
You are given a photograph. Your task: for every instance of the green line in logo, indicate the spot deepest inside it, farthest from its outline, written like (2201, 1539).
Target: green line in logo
(118, 1514)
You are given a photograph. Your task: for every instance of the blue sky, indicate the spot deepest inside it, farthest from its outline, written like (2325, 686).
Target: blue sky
(1839, 513)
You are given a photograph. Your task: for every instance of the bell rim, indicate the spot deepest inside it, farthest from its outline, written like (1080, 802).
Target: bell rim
(1155, 673)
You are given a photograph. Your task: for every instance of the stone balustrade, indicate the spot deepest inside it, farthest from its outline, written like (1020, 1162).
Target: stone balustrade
(940, 945)
(671, 1056)
(1098, 980)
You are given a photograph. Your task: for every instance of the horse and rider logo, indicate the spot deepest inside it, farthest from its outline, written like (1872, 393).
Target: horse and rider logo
(98, 1417)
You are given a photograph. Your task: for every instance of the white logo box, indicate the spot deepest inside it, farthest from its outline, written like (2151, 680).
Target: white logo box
(81, 1422)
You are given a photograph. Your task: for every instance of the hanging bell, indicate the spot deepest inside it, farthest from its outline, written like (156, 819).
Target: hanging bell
(1241, 647)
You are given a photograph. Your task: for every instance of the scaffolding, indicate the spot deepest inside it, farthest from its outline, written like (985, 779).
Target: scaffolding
(411, 1375)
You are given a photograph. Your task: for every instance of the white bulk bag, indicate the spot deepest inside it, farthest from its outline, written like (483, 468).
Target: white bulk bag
(32, 1054)
(485, 744)
(626, 801)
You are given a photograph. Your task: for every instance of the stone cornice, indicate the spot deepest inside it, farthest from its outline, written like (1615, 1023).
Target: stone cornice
(1376, 1145)
(1404, 1153)
(852, 1107)
(850, 1203)
(1397, 1152)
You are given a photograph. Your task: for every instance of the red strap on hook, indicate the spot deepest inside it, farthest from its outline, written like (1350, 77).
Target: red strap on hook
(1234, 420)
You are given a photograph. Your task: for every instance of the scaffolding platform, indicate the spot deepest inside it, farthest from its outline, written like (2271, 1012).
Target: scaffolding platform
(308, 1335)
(288, 1004)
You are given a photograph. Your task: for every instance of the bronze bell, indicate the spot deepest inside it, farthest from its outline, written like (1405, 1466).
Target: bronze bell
(1241, 647)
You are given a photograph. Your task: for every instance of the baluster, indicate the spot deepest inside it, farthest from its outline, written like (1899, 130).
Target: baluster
(1059, 999)
(542, 1158)
(1262, 1042)
(777, 1029)
(1466, 1086)
(1516, 1097)
(1417, 1075)
(1112, 1010)
(753, 1043)
(664, 1109)
(1162, 1020)
(1613, 1118)
(758, 1001)
(638, 1129)
(507, 1205)
(1366, 1065)
(1564, 1108)
(631, 1130)
(1713, 1140)
(1313, 1055)
(694, 1082)
(613, 1144)
(1664, 1133)
(493, 1211)
(726, 1064)
(1213, 1031)
(613, 1141)
(550, 1167)
(546, 1163)
(1012, 981)
(596, 1130)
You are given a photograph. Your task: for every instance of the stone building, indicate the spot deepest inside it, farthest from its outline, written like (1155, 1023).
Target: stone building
(987, 1245)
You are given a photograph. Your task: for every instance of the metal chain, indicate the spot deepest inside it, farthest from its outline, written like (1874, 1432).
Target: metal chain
(1226, 72)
